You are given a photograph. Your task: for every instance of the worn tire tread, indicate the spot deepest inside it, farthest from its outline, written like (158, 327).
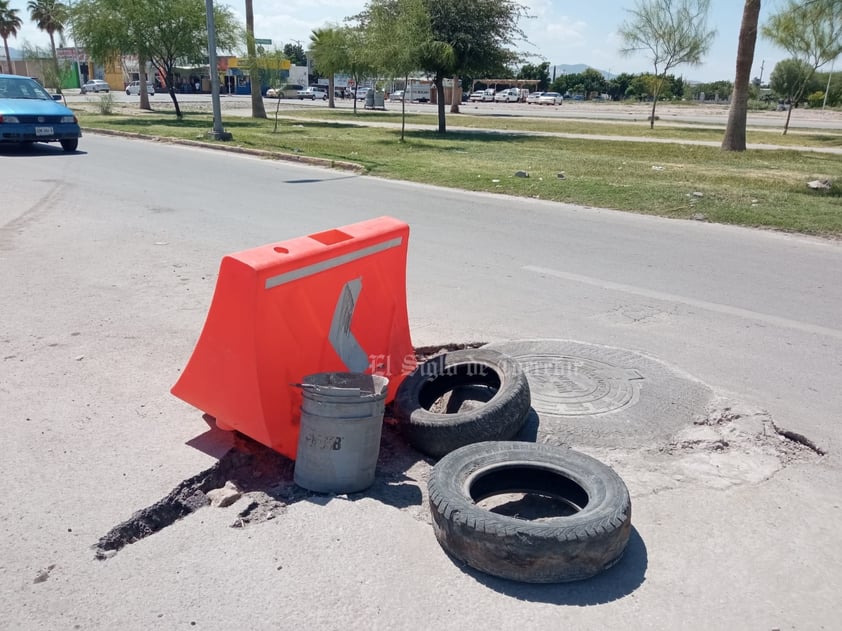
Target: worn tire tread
(498, 419)
(565, 549)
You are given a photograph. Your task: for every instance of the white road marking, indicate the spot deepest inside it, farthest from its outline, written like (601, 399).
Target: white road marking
(702, 304)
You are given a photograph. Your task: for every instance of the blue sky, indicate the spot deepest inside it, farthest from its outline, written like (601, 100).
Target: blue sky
(561, 32)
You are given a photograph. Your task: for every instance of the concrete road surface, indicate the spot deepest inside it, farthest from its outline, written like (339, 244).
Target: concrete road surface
(109, 260)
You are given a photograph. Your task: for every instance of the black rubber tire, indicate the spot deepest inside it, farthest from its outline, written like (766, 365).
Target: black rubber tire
(70, 144)
(555, 550)
(500, 417)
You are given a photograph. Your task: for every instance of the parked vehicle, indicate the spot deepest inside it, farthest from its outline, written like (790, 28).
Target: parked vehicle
(414, 92)
(95, 85)
(28, 114)
(286, 91)
(533, 98)
(482, 96)
(509, 95)
(360, 93)
(133, 89)
(313, 92)
(550, 98)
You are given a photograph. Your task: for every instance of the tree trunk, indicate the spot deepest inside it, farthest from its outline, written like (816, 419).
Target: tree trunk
(735, 132)
(331, 95)
(652, 115)
(55, 63)
(257, 108)
(403, 107)
(170, 79)
(788, 116)
(11, 68)
(439, 83)
(455, 96)
(141, 71)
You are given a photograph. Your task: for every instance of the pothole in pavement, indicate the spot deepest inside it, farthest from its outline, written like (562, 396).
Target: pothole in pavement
(659, 428)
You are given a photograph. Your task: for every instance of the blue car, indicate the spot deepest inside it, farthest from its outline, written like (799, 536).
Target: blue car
(28, 113)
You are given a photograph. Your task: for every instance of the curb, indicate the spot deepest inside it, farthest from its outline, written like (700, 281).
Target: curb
(261, 153)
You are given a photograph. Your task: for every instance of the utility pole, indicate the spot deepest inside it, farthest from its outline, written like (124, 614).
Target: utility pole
(760, 79)
(218, 132)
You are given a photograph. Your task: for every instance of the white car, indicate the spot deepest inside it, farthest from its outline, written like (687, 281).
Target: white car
(482, 95)
(510, 95)
(133, 89)
(550, 98)
(313, 92)
(95, 85)
(533, 97)
(286, 91)
(361, 92)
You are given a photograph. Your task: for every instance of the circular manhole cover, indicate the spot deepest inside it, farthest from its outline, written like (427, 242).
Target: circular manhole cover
(584, 394)
(574, 386)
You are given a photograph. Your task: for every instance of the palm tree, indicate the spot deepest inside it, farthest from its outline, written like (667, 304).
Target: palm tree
(330, 55)
(735, 132)
(9, 25)
(257, 108)
(50, 16)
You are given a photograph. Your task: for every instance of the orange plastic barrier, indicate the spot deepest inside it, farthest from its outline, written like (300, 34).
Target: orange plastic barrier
(328, 302)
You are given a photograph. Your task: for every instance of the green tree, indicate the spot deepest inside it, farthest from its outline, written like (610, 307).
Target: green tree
(359, 59)
(295, 53)
(593, 82)
(539, 72)
(469, 38)
(561, 85)
(329, 53)
(735, 130)
(107, 34)
(268, 63)
(50, 16)
(396, 30)
(10, 24)
(831, 82)
(678, 86)
(671, 33)
(165, 32)
(811, 33)
(792, 78)
(618, 85)
(719, 89)
(257, 108)
(643, 86)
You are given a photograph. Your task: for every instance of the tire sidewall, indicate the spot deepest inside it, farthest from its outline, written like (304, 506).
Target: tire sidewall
(499, 418)
(555, 550)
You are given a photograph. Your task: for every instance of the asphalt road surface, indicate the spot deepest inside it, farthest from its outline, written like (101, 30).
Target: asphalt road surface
(109, 260)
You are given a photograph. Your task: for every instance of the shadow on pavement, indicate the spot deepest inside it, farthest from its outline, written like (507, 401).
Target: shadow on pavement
(266, 477)
(615, 583)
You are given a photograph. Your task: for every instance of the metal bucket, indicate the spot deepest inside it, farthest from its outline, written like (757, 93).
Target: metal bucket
(339, 439)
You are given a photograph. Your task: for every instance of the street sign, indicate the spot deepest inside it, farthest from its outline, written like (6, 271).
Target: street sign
(262, 41)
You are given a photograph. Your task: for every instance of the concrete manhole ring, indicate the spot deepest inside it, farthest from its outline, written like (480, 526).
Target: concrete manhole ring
(590, 395)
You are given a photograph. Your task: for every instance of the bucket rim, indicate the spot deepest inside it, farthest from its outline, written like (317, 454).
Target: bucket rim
(344, 385)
